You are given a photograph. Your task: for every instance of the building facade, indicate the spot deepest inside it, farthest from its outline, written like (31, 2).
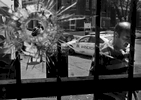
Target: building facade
(28, 2)
(86, 9)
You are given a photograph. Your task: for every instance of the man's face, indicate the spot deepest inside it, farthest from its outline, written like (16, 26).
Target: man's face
(123, 40)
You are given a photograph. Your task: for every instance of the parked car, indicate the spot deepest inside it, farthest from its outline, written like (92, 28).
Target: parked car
(84, 45)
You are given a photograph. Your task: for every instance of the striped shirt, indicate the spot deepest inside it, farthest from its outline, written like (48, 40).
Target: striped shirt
(111, 61)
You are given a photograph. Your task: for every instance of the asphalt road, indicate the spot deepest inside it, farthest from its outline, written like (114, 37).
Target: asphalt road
(81, 33)
(78, 66)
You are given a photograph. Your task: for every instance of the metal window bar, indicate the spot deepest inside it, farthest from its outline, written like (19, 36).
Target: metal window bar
(58, 71)
(17, 65)
(32, 88)
(96, 74)
(132, 20)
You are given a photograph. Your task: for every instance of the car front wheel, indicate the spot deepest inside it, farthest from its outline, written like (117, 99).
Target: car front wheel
(71, 51)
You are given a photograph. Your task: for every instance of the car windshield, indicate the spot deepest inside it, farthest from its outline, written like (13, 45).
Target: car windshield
(92, 40)
(84, 39)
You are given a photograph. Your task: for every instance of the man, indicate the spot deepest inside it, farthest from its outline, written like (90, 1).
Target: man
(114, 57)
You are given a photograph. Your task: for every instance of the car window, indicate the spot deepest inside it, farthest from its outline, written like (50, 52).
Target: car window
(110, 37)
(101, 41)
(84, 39)
(92, 40)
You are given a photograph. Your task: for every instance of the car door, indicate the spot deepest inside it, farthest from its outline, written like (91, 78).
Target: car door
(92, 39)
(82, 44)
(91, 44)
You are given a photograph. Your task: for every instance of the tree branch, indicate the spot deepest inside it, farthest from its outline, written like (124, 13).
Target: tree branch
(138, 4)
(122, 11)
(127, 8)
(117, 11)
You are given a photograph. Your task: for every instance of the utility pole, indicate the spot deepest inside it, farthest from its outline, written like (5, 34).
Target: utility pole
(16, 4)
(59, 4)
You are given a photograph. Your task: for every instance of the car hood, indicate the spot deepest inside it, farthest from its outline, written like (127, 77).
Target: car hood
(69, 43)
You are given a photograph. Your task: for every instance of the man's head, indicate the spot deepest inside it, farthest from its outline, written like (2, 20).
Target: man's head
(122, 35)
